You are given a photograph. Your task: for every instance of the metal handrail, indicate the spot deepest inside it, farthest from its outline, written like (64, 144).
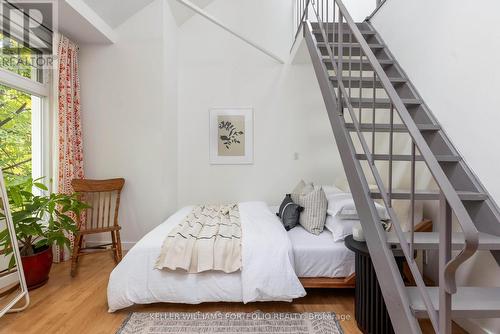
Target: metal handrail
(379, 5)
(302, 19)
(471, 233)
(404, 245)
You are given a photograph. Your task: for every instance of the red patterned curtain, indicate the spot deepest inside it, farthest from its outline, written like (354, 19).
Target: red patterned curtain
(69, 126)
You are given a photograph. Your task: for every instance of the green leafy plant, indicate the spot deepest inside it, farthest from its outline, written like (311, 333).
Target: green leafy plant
(39, 220)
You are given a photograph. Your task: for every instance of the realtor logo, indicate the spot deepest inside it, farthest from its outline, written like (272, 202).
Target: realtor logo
(27, 29)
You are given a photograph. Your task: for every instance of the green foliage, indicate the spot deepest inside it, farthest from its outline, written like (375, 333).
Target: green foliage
(39, 220)
(15, 112)
(15, 133)
(17, 58)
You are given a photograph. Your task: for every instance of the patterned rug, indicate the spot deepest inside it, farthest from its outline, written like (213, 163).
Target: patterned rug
(231, 323)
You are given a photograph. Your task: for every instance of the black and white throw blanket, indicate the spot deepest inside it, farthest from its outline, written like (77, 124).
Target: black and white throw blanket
(209, 238)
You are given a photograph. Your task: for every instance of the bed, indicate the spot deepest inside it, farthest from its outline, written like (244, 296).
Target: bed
(272, 262)
(320, 262)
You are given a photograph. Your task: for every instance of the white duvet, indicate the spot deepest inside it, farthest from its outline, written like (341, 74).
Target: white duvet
(267, 268)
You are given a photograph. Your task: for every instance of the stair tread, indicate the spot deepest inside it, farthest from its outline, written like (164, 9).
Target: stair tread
(370, 79)
(363, 32)
(407, 157)
(382, 127)
(355, 100)
(430, 240)
(468, 302)
(371, 45)
(431, 195)
(360, 25)
(326, 59)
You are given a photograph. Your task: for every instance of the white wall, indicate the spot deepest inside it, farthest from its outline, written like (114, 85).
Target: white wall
(358, 9)
(129, 103)
(216, 69)
(449, 52)
(146, 101)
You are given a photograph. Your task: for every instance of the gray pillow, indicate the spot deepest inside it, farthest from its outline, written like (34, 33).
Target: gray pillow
(315, 205)
(289, 213)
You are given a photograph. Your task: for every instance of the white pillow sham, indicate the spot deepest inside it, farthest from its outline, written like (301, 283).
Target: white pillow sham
(339, 228)
(328, 189)
(342, 205)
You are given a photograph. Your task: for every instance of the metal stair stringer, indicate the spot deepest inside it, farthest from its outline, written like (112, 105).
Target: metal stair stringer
(392, 285)
(486, 215)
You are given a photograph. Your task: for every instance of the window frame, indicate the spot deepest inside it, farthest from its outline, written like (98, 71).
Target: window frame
(44, 92)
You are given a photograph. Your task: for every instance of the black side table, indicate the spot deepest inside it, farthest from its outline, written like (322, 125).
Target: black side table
(370, 310)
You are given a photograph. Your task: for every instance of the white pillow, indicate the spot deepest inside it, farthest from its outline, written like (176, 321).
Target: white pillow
(313, 217)
(301, 189)
(342, 205)
(339, 228)
(329, 189)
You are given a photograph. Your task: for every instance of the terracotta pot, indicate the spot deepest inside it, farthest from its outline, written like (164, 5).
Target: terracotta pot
(37, 267)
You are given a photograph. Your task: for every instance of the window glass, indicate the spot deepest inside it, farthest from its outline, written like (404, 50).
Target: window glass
(19, 59)
(20, 134)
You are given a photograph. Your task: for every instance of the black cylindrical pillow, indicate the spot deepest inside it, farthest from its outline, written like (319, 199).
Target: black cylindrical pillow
(289, 213)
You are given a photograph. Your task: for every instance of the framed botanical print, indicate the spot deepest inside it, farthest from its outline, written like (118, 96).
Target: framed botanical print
(231, 136)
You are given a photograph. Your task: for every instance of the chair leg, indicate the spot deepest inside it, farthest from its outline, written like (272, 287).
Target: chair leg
(79, 248)
(74, 257)
(119, 245)
(114, 246)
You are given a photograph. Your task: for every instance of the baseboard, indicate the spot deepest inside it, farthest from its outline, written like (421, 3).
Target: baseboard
(471, 326)
(126, 245)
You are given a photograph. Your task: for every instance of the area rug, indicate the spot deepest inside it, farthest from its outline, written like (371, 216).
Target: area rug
(231, 323)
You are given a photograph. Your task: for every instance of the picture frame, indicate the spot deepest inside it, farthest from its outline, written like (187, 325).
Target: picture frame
(231, 136)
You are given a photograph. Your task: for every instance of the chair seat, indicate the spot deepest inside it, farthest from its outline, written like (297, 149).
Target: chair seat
(99, 230)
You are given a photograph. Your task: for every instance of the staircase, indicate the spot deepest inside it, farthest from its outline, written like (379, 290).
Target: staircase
(368, 96)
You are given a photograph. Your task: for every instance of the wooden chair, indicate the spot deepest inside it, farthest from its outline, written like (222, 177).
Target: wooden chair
(103, 196)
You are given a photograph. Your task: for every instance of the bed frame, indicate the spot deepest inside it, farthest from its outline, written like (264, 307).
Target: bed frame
(349, 282)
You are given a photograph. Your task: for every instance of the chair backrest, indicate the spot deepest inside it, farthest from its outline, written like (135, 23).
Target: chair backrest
(103, 196)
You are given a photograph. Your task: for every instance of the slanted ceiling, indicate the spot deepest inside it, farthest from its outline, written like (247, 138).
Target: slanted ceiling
(182, 13)
(115, 12)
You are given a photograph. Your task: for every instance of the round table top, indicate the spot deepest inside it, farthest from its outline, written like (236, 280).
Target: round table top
(360, 247)
(356, 246)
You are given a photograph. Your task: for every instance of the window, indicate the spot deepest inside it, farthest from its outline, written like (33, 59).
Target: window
(23, 98)
(19, 59)
(20, 133)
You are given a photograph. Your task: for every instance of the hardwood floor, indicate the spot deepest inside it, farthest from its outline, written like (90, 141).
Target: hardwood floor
(78, 305)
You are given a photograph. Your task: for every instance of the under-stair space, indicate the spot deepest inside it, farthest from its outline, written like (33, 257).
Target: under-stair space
(393, 148)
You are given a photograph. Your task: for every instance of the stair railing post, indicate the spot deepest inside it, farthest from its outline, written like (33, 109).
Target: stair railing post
(350, 64)
(445, 222)
(391, 148)
(327, 25)
(374, 109)
(340, 52)
(360, 120)
(412, 200)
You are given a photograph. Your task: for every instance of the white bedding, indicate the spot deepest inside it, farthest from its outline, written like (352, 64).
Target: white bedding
(319, 255)
(267, 272)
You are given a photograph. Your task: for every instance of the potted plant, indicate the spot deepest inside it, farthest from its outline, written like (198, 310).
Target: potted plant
(39, 221)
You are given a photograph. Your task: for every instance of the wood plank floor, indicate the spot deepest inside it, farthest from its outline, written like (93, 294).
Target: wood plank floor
(78, 305)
